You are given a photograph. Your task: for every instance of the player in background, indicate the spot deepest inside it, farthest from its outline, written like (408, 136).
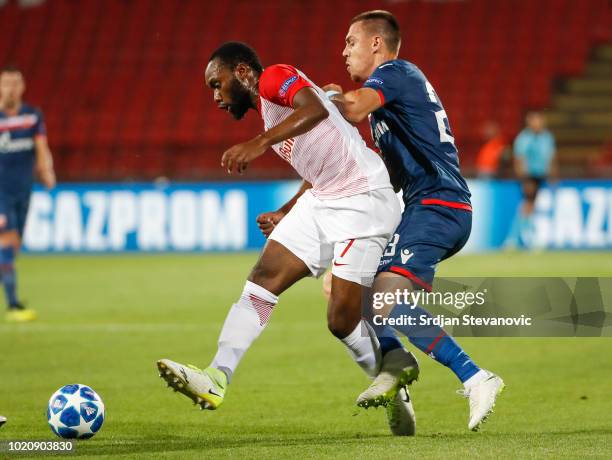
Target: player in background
(345, 213)
(23, 149)
(534, 163)
(491, 153)
(411, 129)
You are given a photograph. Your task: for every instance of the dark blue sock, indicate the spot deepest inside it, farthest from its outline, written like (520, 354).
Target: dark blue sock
(388, 340)
(433, 341)
(386, 337)
(7, 271)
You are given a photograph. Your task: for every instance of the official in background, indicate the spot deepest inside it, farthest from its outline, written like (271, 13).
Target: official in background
(534, 164)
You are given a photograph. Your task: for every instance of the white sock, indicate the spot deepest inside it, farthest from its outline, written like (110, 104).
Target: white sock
(364, 348)
(245, 321)
(476, 379)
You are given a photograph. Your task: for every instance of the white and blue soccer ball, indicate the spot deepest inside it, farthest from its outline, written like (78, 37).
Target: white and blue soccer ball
(75, 411)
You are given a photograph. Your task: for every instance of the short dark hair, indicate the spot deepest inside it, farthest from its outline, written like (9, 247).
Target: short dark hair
(10, 69)
(233, 53)
(385, 24)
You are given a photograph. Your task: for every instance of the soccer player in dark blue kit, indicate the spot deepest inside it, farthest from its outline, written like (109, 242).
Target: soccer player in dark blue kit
(411, 129)
(23, 149)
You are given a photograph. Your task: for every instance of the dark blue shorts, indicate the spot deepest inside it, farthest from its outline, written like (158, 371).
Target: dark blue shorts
(13, 211)
(426, 235)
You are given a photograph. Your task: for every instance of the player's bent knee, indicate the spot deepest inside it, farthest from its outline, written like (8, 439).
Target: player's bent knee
(277, 268)
(339, 326)
(262, 275)
(342, 319)
(344, 308)
(272, 278)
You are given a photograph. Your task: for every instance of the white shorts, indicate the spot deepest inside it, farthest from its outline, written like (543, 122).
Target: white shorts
(352, 232)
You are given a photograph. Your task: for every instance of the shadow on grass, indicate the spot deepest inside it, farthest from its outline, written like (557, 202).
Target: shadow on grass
(522, 435)
(210, 442)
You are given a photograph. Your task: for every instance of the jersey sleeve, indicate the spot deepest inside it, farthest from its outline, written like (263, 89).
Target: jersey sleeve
(520, 145)
(279, 83)
(40, 128)
(386, 81)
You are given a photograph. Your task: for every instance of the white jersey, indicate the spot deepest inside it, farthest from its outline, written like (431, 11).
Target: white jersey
(332, 156)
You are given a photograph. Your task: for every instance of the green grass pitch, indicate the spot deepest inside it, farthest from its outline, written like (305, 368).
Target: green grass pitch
(104, 321)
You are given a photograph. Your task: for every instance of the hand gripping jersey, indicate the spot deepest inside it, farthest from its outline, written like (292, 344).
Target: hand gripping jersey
(412, 131)
(17, 148)
(332, 156)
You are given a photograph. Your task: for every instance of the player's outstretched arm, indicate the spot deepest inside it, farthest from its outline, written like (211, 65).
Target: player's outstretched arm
(308, 112)
(44, 162)
(356, 105)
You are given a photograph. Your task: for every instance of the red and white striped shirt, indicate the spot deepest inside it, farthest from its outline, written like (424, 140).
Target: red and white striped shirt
(332, 156)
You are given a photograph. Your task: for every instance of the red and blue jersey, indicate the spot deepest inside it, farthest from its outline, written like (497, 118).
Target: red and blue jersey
(412, 131)
(17, 148)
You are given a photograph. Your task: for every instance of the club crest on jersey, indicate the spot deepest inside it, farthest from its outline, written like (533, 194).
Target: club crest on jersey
(8, 145)
(286, 85)
(285, 149)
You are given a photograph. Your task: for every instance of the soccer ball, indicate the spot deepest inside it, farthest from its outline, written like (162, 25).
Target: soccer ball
(75, 411)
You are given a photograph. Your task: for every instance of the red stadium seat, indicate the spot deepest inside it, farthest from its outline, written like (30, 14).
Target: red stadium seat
(122, 87)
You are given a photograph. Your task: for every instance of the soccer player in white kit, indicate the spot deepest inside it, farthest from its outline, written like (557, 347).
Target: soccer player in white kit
(343, 216)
